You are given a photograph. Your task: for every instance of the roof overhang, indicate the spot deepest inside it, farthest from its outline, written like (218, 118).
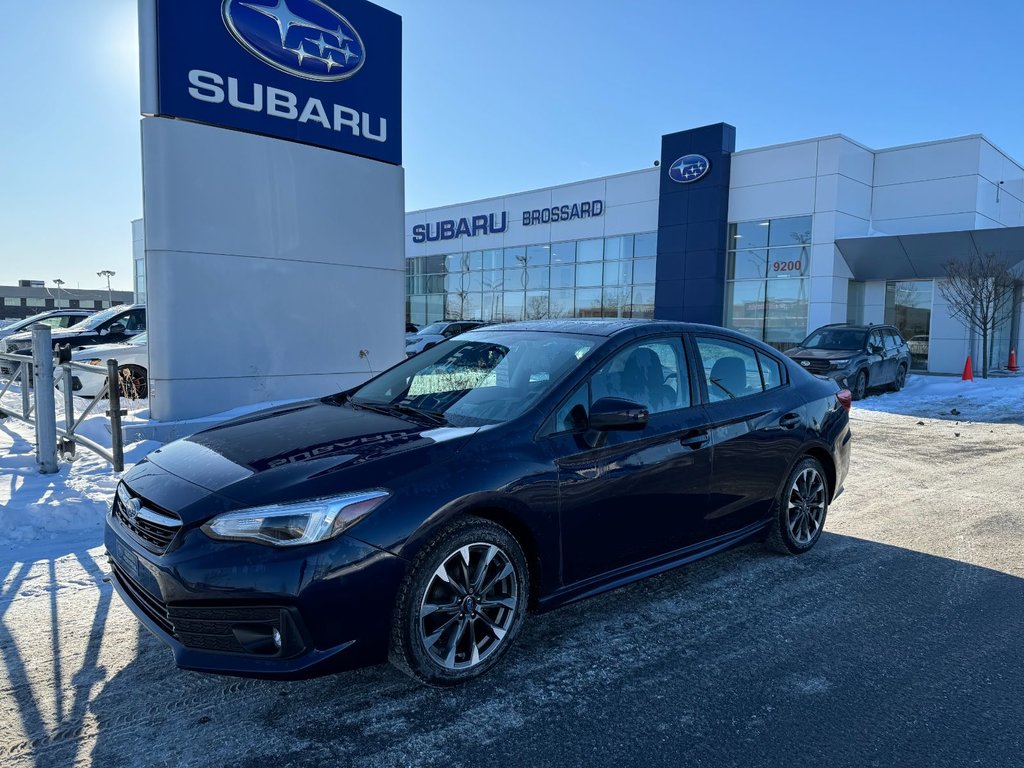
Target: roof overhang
(902, 257)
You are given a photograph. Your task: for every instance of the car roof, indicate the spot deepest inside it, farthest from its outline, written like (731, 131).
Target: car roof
(602, 327)
(858, 326)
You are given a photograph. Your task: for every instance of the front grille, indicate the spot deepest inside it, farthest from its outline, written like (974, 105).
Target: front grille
(153, 607)
(154, 528)
(816, 366)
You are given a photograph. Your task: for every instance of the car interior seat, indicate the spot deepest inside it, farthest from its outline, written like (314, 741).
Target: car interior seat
(728, 379)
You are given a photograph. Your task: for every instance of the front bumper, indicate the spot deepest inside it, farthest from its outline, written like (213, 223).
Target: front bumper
(217, 605)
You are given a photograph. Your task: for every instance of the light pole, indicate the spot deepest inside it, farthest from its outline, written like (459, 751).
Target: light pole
(108, 273)
(58, 282)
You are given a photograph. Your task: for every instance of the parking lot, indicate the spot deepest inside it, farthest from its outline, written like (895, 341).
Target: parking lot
(896, 641)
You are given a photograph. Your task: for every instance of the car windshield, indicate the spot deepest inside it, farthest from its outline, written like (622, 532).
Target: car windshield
(93, 322)
(18, 325)
(139, 341)
(435, 329)
(835, 338)
(477, 378)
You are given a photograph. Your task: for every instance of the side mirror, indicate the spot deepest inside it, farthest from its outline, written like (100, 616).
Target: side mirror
(615, 413)
(876, 350)
(118, 328)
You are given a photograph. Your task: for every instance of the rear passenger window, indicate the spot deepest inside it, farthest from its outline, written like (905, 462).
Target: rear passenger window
(892, 341)
(730, 370)
(771, 371)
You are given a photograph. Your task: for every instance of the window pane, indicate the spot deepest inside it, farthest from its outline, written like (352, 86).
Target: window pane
(785, 319)
(538, 254)
(433, 264)
(470, 305)
(645, 270)
(563, 276)
(455, 262)
(453, 282)
(791, 262)
(418, 310)
(908, 306)
(474, 260)
(649, 373)
(748, 263)
(590, 250)
(536, 305)
(744, 307)
(588, 302)
(435, 283)
(643, 301)
(645, 245)
(618, 248)
(616, 302)
(748, 234)
(563, 253)
(493, 279)
(771, 371)
(513, 309)
(537, 277)
(491, 307)
(515, 257)
(515, 279)
(794, 231)
(473, 281)
(492, 259)
(573, 412)
(618, 272)
(435, 308)
(588, 274)
(561, 304)
(730, 369)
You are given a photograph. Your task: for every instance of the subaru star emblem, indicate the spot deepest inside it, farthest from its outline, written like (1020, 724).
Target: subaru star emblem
(805, 364)
(132, 509)
(305, 38)
(688, 168)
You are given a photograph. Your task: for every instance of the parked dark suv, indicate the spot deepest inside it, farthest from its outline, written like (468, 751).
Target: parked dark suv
(859, 357)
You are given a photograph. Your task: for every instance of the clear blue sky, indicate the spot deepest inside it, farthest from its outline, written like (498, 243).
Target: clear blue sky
(513, 95)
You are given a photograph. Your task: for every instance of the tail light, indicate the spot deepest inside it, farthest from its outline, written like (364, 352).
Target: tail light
(845, 398)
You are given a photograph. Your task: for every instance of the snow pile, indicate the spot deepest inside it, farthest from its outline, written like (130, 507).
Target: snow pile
(65, 507)
(994, 401)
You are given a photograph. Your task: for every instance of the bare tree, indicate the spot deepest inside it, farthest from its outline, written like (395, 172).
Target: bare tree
(979, 290)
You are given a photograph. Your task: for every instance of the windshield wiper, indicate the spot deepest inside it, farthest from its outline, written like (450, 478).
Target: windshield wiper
(389, 409)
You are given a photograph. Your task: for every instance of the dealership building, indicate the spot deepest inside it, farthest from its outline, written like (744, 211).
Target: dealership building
(774, 241)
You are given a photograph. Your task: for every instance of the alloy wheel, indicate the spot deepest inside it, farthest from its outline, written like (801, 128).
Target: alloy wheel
(468, 606)
(805, 512)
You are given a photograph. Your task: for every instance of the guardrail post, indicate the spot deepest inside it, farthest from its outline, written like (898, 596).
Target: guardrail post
(114, 401)
(69, 402)
(46, 406)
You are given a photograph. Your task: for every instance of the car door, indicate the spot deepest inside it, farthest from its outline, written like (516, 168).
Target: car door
(626, 497)
(877, 359)
(755, 419)
(894, 354)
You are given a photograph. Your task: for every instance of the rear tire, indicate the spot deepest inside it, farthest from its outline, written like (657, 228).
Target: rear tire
(134, 382)
(900, 380)
(800, 511)
(462, 604)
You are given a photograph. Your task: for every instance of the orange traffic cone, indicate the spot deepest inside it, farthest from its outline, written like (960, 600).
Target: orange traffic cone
(968, 371)
(1013, 361)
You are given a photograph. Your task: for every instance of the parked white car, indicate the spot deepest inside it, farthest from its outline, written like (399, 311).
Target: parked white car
(435, 333)
(132, 361)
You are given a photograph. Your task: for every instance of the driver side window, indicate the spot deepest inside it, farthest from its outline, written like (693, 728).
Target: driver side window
(652, 373)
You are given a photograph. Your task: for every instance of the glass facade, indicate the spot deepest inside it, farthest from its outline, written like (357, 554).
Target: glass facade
(908, 306)
(767, 284)
(601, 277)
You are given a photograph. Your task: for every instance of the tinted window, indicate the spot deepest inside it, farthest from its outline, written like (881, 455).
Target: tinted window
(892, 341)
(730, 370)
(771, 371)
(835, 338)
(875, 339)
(135, 321)
(54, 322)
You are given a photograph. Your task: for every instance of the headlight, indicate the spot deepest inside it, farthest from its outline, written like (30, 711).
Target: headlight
(290, 525)
(840, 363)
(95, 361)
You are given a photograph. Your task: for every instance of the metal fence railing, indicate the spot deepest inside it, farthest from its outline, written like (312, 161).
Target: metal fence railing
(35, 377)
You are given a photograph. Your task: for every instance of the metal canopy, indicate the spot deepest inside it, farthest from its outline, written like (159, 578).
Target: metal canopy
(901, 257)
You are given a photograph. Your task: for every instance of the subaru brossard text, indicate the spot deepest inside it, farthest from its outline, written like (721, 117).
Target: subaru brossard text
(512, 468)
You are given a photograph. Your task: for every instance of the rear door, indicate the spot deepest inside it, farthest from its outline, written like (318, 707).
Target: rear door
(626, 497)
(877, 359)
(756, 421)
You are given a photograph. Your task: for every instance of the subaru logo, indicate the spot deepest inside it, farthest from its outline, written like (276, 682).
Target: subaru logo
(689, 168)
(132, 509)
(305, 38)
(805, 364)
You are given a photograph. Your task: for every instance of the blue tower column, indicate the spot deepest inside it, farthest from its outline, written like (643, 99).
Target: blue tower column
(693, 220)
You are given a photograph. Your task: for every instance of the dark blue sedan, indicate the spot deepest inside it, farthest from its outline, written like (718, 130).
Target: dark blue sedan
(419, 517)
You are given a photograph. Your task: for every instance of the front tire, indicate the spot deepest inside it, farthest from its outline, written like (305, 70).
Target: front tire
(462, 604)
(860, 386)
(801, 509)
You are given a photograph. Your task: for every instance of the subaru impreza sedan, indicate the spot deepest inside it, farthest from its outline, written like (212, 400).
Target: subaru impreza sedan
(514, 468)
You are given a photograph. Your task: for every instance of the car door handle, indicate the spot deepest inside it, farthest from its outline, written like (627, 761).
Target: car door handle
(695, 439)
(789, 421)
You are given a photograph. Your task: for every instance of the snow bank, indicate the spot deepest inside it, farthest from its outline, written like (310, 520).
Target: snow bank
(996, 401)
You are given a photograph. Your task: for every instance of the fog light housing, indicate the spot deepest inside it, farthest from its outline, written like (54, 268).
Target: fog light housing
(260, 639)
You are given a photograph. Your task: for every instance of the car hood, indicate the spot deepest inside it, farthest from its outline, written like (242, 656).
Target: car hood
(90, 353)
(306, 450)
(800, 353)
